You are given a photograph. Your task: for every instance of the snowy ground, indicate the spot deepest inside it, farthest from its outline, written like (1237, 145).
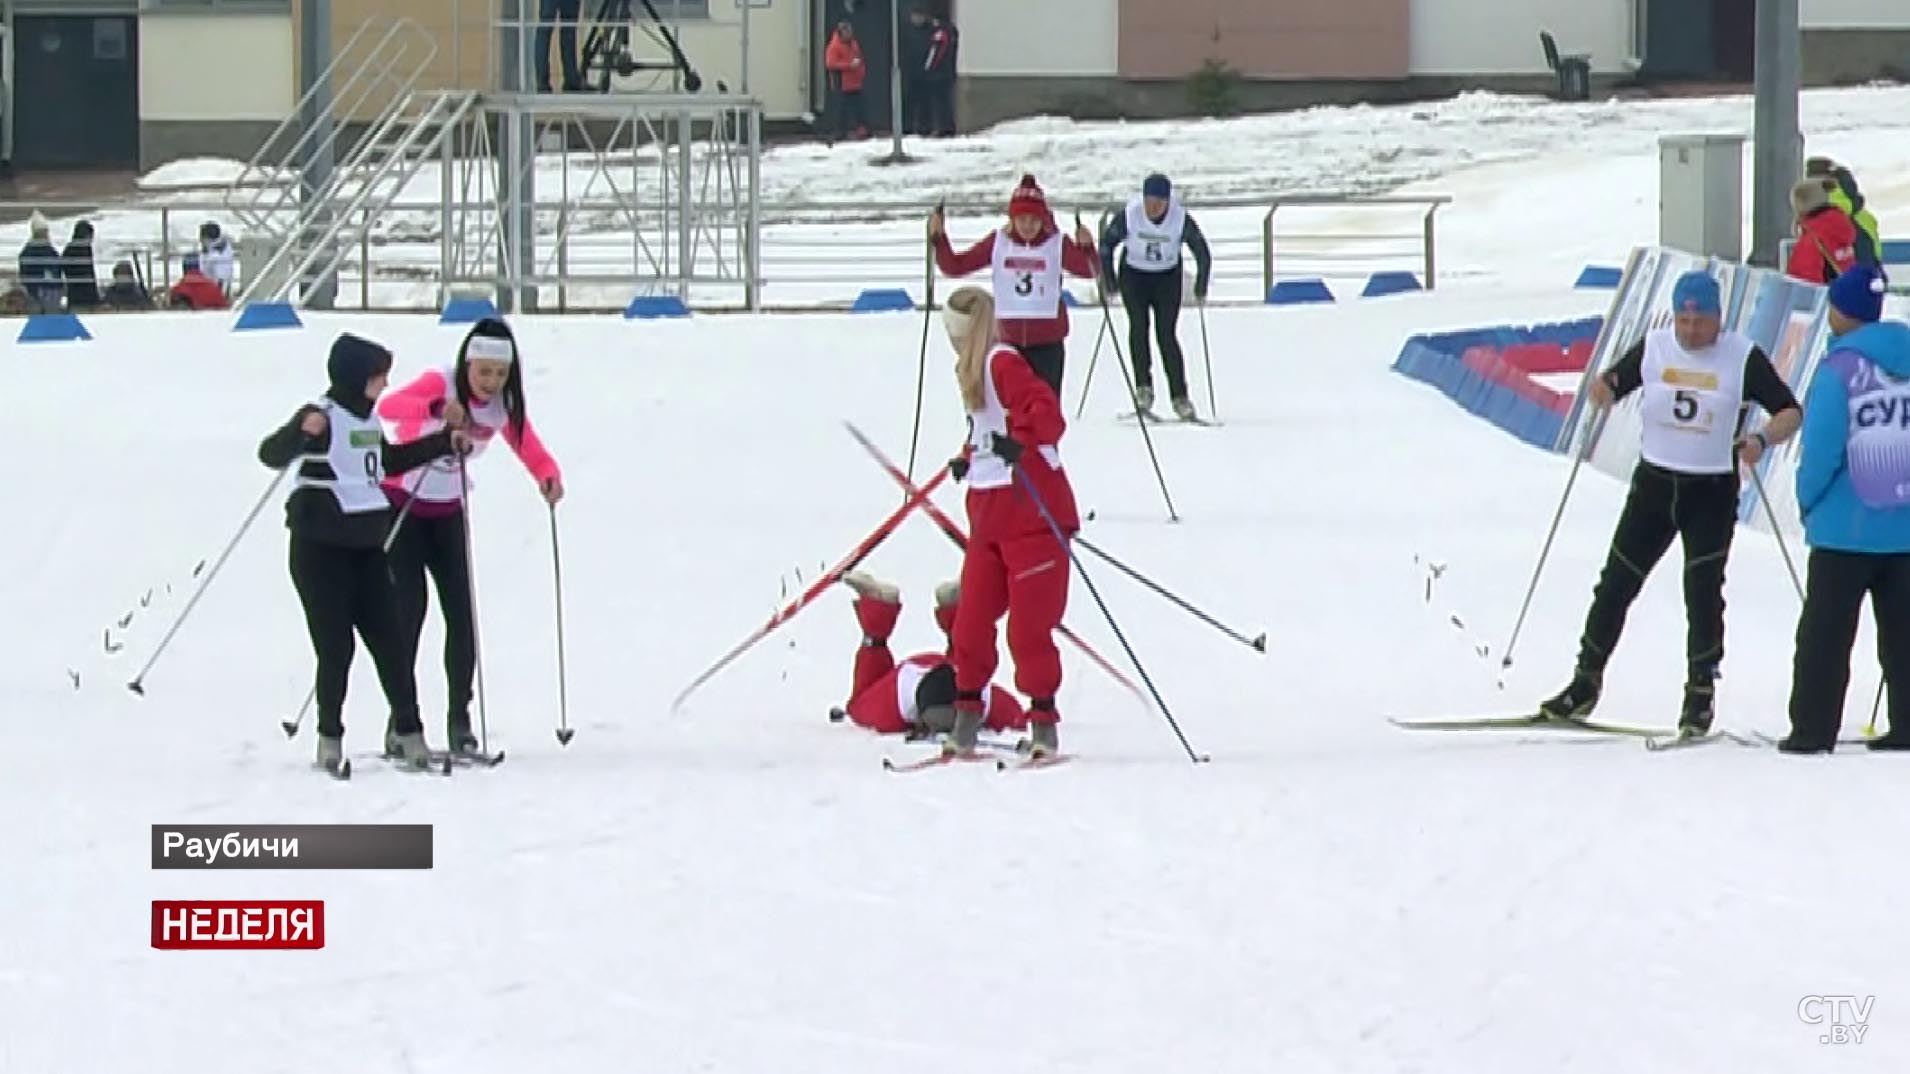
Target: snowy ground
(1527, 174)
(741, 888)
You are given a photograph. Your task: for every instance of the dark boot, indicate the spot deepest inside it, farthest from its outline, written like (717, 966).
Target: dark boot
(457, 732)
(1577, 700)
(1044, 728)
(1892, 739)
(1793, 744)
(969, 718)
(1695, 719)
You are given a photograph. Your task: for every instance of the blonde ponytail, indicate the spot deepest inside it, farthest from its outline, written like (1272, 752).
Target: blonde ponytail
(970, 317)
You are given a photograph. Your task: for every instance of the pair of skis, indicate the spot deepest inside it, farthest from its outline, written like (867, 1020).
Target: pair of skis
(438, 762)
(1132, 416)
(1006, 755)
(1656, 739)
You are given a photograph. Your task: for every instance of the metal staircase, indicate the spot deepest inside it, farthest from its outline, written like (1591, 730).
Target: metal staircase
(380, 66)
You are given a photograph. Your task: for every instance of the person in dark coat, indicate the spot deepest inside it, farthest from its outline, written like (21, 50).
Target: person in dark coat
(1856, 509)
(340, 520)
(125, 292)
(76, 267)
(40, 274)
(914, 41)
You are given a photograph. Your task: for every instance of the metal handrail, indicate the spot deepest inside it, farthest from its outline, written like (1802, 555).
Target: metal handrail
(789, 249)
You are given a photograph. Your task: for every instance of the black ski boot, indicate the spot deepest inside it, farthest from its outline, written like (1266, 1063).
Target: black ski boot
(1577, 700)
(1695, 720)
(457, 733)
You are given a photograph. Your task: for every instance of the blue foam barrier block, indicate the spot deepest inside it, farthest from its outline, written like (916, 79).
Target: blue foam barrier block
(1295, 292)
(1601, 276)
(257, 315)
(1390, 283)
(649, 307)
(882, 300)
(53, 328)
(1068, 299)
(467, 310)
(1895, 251)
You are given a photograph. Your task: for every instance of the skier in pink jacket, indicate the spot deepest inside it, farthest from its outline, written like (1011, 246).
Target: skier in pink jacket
(481, 393)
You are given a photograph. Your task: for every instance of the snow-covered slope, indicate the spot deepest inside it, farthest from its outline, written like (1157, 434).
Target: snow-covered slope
(741, 888)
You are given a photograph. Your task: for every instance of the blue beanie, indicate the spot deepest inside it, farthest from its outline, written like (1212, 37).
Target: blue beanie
(1696, 292)
(1858, 294)
(1156, 186)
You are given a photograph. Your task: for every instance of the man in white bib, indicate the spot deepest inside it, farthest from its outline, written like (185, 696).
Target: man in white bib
(1697, 381)
(1148, 236)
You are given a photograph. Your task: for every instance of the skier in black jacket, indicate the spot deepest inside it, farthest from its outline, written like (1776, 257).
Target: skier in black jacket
(339, 518)
(1149, 234)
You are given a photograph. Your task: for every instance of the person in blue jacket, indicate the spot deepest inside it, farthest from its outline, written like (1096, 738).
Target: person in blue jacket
(1853, 488)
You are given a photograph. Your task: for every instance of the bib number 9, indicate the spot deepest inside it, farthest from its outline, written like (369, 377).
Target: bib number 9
(372, 469)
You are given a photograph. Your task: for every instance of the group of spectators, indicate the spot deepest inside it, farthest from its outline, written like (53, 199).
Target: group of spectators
(929, 47)
(1836, 231)
(53, 280)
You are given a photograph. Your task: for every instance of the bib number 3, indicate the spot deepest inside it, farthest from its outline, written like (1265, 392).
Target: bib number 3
(1025, 284)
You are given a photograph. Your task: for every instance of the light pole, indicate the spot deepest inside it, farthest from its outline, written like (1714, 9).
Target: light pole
(896, 155)
(1777, 145)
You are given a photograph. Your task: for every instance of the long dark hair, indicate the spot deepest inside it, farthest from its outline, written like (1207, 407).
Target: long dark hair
(513, 393)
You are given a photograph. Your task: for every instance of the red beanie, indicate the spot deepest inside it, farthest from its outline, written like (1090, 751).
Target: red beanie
(1028, 199)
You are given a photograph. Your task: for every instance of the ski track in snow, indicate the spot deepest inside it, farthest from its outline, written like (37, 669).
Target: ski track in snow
(742, 888)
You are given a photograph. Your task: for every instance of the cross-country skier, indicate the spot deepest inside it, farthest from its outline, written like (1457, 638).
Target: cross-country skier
(1015, 563)
(917, 696)
(1027, 256)
(482, 393)
(1856, 507)
(1697, 382)
(1150, 233)
(339, 518)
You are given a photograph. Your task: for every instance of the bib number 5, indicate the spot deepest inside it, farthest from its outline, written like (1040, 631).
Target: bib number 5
(1684, 406)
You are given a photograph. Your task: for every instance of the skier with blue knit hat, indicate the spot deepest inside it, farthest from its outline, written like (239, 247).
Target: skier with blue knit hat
(1853, 489)
(1151, 231)
(1696, 382)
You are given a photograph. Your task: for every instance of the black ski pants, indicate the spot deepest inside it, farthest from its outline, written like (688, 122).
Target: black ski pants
(345, 590)
(437, 545)
(1700, 509)
(1827, 628)
(1048, 360)
(1155, 295)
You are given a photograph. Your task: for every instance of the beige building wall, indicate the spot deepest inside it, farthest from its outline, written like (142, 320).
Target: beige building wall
(215, 67)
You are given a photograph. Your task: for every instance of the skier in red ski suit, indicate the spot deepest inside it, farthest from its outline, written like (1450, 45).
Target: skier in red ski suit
(1015, 563)
(916, 697)
(1026, 258)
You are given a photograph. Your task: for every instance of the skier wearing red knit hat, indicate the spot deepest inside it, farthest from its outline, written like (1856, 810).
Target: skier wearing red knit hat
(1027, 257)
(917, 696)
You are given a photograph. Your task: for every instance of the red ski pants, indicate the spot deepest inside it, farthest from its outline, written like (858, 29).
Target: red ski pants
(1026, 578)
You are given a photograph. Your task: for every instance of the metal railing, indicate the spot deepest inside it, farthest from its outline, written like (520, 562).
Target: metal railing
(597, 250)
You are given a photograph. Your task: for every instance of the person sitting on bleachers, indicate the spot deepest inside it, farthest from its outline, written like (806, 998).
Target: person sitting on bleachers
(195, 290)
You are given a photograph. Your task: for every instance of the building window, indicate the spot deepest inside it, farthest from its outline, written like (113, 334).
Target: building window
(206, 7)
(671, 10)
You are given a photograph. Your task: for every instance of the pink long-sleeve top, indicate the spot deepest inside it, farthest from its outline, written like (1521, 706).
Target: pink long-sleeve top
(416, 410)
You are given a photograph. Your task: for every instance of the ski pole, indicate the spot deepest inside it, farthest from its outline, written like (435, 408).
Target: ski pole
(564, 731)
(1546, 551)
(1258, 644)
(921, 359)
(1757, 479)
(1207, 358)
(1870, 729)
(470, 582)
(1055, 528)
(1093, 359)
(291, 726)
(138, 685)
(1107, 316)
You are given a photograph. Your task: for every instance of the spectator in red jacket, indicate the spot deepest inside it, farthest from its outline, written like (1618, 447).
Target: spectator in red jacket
(843, 59)
(938, 77)
(1826, 238)
(1028, 257)
(196, 290)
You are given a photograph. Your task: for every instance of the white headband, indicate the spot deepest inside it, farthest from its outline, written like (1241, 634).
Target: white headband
(957, 323)
(492, 348)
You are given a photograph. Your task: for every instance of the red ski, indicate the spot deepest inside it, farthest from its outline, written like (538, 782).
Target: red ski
(788, 612)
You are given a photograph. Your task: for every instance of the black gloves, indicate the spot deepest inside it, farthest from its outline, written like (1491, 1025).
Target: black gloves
(958, 468)
(1005, 449)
